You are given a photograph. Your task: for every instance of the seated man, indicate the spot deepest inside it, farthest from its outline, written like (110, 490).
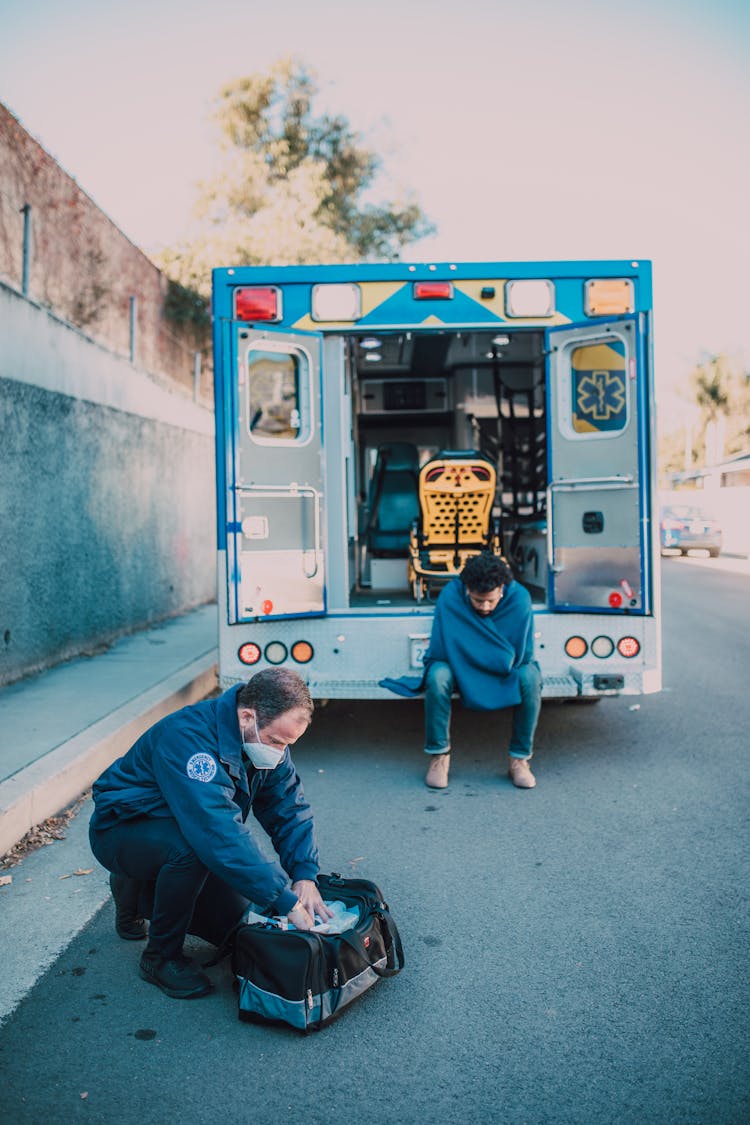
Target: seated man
(169, 823)
(482, 644)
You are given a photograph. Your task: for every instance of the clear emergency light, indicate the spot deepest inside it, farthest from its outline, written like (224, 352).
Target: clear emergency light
(530, 298)
(336, 302)
(261, 302)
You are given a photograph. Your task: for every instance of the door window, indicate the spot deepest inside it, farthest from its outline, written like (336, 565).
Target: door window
(598, 389)
(278, 396)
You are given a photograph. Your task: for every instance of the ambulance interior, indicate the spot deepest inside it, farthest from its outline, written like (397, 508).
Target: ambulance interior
(420, 395)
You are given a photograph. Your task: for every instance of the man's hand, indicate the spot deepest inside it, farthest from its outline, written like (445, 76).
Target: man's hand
(307, 892)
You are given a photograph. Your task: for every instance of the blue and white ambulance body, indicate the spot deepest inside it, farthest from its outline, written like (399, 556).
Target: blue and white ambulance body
(544, 367)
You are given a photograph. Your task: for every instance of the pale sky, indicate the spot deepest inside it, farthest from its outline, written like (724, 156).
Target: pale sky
(531, 129)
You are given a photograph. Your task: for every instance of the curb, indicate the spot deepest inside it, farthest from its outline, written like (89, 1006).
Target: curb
(58, 778)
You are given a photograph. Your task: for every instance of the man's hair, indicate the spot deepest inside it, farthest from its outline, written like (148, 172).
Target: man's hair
(485, 572)
(273, 691)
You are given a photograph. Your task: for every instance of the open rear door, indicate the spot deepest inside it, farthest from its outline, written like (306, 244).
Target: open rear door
(275, 558)
(595, 505)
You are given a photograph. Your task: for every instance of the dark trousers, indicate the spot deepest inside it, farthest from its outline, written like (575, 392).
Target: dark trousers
(178, 893)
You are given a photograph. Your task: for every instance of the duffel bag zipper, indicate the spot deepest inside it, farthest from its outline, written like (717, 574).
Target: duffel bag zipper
(364, 895)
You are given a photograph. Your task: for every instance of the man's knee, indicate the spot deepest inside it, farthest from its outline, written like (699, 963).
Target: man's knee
(530, 679)
(439, 677)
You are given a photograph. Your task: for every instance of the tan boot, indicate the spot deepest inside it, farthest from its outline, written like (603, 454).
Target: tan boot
(437, 774)
(519, 772)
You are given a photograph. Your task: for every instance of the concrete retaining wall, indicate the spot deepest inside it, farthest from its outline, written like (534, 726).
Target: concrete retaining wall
(106, 493)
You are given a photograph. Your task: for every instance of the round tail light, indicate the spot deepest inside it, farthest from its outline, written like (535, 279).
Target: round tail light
(576, 647)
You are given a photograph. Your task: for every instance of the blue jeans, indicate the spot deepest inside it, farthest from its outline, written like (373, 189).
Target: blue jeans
(439, 683)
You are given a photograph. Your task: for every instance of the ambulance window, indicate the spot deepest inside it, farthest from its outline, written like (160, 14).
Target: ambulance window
(598, 388)
(277, 393)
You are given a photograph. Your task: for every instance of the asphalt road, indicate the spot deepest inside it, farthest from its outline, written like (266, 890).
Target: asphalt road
(575, 953)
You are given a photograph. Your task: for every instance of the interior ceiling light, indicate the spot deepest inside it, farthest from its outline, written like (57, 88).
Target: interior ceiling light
(369, 342)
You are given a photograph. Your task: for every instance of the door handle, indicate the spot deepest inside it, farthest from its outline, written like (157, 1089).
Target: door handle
(292, 491)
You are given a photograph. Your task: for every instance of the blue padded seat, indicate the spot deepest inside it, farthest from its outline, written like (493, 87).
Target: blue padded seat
(393, 502)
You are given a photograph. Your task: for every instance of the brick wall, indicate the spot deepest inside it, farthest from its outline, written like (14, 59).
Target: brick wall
(84, 268)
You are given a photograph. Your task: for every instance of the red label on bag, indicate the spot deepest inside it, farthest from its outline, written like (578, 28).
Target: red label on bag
(367, 943)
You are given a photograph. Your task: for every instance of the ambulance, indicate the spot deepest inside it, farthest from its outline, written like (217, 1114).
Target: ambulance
(361, 408)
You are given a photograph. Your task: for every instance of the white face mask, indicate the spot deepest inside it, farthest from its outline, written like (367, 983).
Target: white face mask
(263, 757)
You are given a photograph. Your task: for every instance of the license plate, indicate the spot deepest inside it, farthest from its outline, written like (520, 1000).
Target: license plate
(417, 648)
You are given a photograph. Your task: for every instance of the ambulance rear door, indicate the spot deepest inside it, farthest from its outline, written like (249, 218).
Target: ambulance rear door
(596, 517)
(275, 554)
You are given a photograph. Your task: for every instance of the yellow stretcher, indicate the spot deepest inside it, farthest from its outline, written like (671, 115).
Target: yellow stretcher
(456, 498)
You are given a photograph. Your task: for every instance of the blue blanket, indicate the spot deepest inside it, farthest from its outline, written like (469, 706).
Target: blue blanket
(484, 653)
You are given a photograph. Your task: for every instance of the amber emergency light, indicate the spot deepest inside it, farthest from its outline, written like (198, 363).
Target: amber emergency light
(608, 296)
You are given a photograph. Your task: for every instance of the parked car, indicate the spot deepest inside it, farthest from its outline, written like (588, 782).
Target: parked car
(685, 525)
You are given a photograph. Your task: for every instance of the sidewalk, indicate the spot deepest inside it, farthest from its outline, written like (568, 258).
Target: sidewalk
(60, 729)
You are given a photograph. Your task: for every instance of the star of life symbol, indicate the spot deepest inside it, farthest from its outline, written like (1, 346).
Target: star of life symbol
(601, 395)
(201, 767)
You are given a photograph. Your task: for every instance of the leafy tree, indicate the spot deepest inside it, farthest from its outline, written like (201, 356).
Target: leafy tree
(722, 393)
(718, 389)
(293, 186)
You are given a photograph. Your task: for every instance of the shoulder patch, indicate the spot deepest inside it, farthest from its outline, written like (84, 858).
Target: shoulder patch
(201, 767)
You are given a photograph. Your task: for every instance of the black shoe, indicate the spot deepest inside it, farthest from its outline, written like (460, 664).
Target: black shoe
(176, 977)
(128, 922)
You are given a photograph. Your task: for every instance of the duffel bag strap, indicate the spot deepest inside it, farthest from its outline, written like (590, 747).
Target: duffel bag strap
(225, 948)
(393, 947)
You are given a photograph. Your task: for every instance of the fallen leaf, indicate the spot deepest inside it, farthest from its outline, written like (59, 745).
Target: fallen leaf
(84, 1095)
(66, 877)
(5, 880)
(83, 871)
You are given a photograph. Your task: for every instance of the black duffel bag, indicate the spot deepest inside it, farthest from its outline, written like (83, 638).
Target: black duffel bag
(304, 978)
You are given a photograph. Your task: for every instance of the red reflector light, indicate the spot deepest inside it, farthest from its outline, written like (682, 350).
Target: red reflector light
(262, 302)
(628, 646)
(267, 606)
(433, 290)
(615, 599)
(249, 653)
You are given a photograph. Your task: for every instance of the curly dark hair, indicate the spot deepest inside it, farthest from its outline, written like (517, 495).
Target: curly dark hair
(272, 691)
(485, 572)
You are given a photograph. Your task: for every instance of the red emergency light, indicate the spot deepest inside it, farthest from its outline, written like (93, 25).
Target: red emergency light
(433, 290)
(261, 302)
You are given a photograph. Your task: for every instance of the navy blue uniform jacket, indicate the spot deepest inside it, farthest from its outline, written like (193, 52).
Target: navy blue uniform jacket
(190, 766)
